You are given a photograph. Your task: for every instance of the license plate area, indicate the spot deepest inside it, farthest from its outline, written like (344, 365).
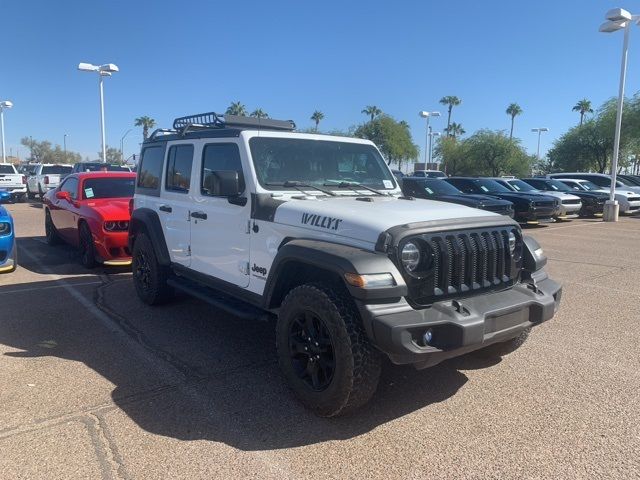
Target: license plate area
(506, 321)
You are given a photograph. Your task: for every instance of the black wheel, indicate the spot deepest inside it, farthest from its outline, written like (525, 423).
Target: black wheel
(40, 192)
(149, 277)
(22, 198)
(51, 234)
(30, 195)
(87, 247)
(324, 352)
(504, 348)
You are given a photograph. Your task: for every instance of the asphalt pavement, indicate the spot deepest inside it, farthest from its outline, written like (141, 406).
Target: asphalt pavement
(95, 384)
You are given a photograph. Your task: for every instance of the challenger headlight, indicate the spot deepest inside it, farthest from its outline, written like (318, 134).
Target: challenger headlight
(410, 256)
(110, 226)
(5, 228)
(116, 226)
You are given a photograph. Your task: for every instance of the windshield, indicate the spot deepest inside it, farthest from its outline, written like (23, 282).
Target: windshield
(589, 186)
(520, 186)
(7, 169)
(316, 162)
(59, 169)
(436, 187)
(487, 186)
(557, 186)
(93, 188)
(97, 167)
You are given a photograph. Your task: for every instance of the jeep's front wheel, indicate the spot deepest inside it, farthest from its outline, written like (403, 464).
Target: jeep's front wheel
(149, 277)
(324, 352)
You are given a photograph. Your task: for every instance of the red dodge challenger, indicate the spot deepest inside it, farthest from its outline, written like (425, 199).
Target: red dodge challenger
(91, 211)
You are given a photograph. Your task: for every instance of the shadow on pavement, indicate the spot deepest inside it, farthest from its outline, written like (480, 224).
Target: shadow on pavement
(190, 372)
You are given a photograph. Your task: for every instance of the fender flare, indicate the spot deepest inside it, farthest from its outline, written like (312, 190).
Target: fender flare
(147, 221)
(338, 259)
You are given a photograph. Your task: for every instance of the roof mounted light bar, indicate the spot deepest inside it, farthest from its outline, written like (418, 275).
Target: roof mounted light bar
(214, 120)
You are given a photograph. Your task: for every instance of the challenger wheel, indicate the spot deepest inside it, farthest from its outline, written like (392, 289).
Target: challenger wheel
(149, 277)
(51, 234)
(323, 351)
(87, 247)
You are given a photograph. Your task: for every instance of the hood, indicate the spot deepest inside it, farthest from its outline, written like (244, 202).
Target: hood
(475, 200)
(110, 208)
(520, 196)
(623, 192)
(366, 220)
(561, 195)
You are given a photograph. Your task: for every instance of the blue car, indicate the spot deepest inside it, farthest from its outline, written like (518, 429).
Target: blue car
(4, 196)
(8, 249)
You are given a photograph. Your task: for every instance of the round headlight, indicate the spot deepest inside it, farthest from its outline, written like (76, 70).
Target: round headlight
(109, 226)
(512, 242)
(410, 256)
(5, 227)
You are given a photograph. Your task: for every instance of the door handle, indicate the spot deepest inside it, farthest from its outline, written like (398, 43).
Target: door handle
(199, 215)
(165, 208)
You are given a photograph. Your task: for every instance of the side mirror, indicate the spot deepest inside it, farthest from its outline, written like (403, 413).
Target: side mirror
(226, 183)
(63, 196)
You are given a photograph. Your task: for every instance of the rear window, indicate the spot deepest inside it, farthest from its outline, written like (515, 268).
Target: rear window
(97, 167)
(150, 168)
(7, 169)
(57, 169)
(94, 188)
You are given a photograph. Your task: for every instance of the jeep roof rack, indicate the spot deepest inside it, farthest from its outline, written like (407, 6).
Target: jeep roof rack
(214, 120)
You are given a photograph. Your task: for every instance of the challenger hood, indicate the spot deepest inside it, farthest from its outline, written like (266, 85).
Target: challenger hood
(111, 208)
(366, 220)
(476, 199)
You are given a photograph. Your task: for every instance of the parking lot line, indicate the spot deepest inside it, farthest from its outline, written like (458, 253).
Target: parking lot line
(22, 290)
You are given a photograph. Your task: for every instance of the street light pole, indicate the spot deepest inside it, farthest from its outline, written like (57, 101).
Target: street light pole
(64, 141)
(103, 71)
(431, 135)
(3, 105)
(427, 147)
(539, 130)
(122, 144)
(617, 19)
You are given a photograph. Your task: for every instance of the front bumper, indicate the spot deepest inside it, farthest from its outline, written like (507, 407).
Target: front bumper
(459, 326)
(629, 207)
(113, 248)
(570, 209)
(8, 259)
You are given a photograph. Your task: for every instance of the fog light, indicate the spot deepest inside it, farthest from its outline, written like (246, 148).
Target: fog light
(427, 337)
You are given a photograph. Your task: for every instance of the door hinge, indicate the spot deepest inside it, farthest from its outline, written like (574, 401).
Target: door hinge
(244, 267)
(248, 230)
(188, 250)
(188, 215)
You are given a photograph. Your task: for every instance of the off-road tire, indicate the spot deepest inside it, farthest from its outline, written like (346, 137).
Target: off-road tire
(503, 348)
(51, 234)
(149, 277)
(357, 362)
(87, 247)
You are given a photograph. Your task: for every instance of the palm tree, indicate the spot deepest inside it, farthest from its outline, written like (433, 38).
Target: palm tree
(451, 101)
(514, 110)
(146, 123)
(455, 130)
(372, 111)
(259, 113)
(316, 117)
(236, 108)
(583, 106)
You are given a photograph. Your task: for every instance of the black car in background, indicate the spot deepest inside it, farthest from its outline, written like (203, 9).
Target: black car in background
(99, 167)
(592, 202)
(630, 179)
(528, 207)
(437, 189)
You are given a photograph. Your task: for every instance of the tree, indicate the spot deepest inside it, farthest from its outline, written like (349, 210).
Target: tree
(259, 113)
(45, 152)
(372, 111)
(316, 117)
(236, 108)
(582, 149)
(455, 130)
(113, 155)
(583, 106)
(392, 138)
(451, 101)
(513, 110)
(146, 123)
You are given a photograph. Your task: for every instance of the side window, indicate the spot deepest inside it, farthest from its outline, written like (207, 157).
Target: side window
(464, 186)
(70, 185)
(150, 169)
(219, 157)
(179, 163)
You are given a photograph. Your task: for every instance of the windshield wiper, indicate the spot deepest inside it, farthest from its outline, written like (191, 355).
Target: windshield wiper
(296, 184)
(353, 185)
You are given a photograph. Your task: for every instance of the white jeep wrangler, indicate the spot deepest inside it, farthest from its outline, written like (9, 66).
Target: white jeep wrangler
(264, 222)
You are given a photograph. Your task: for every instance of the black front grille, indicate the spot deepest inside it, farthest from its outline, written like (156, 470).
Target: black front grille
(633, 199)
(570, 202)
(502, 209)
(544, 203)
(465, 262)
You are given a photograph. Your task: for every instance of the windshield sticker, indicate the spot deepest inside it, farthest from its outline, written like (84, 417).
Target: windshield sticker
(387, 183)
(428, 190)
(329, 223)
(88, 192)
(484, 189)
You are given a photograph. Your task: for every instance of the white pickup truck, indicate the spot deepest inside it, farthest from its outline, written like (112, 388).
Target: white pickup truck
(13, 182)
(47, 176)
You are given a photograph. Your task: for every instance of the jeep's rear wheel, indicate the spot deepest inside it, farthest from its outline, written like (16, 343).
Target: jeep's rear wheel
(323, 351)
(149, 277)
(504, 348)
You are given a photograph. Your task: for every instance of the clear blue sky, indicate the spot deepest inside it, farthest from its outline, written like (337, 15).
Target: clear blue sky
(291, 58)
